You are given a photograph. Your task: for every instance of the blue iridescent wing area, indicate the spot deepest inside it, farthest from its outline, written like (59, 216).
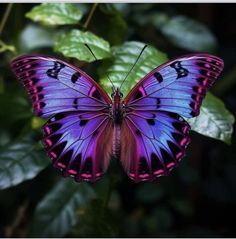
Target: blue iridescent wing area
(55, 86)
(152, 144)
(155, 107)
(79, 143)
(178, 86)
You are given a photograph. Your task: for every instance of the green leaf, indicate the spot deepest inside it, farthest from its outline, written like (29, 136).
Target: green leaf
(56, 213)
(4, 47)
(214, 121)
(185, 32)
(124, 58)
(72, 44)
(52, 14)
(115, 29)
(33, 36)
(20, 161)
(37, 122)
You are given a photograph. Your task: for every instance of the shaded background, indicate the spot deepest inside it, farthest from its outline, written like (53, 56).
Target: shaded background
(196, 200)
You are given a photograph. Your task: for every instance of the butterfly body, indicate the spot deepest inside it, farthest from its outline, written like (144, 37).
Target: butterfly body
(146, 130)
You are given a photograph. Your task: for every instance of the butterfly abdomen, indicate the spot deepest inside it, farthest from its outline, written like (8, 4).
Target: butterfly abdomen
(116, 141)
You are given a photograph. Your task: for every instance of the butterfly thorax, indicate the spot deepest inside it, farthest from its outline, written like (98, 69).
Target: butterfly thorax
(117, 110)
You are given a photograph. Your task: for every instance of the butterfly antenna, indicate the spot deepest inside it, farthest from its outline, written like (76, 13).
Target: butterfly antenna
(113, 86)
(133, 65)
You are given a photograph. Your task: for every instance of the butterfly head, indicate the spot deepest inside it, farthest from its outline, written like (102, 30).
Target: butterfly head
(116, 93)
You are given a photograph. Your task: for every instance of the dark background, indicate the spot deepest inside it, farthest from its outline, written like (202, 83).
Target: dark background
(196, 200)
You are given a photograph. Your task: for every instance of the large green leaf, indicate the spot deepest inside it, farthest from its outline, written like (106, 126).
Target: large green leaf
(72, 44)
(20, 161)
(115, 29)
(56, 213)
(214, 121)
(52, 14)
(185, 32)
(33, 36)
(124, 58)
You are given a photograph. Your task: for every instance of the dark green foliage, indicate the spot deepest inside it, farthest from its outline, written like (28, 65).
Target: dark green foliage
(56, 213)
(193, 201)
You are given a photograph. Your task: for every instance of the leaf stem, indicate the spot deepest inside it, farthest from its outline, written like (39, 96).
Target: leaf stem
(5, 16)
(85, 26)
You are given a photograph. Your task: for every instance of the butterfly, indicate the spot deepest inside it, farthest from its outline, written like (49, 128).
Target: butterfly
(146, 130)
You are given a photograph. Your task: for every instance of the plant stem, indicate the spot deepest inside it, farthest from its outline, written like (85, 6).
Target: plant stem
(5, 16)
(90, 15)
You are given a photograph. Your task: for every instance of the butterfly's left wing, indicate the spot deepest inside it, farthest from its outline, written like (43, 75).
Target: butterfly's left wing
(154, 126)
(79, 143)
(77, 136)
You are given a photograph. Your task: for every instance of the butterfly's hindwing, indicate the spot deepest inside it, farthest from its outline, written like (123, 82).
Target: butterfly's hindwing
(79, 143)
(156, 143)
(55, 86)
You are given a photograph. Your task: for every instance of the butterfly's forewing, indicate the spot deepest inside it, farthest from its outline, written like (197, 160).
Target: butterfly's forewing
(76, 136)
(154, 111)
(56, 86)
(178, 86)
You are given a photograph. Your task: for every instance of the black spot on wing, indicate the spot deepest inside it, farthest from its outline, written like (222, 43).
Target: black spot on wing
(34, 80)
(58, 149)
(58, 116)
(174, 148)
(158, 102)
(75, 77)
(137, 95)
(158, 77)
(75, 103)
(156, 163)
(88, 166)
(143, 166)
(83, 122)
(151, 121)
(75, 165)
(166, 157)
(180, 70)
(55, 138)
(96, 94)
(55, 126)
(53, 72)
(65, 158)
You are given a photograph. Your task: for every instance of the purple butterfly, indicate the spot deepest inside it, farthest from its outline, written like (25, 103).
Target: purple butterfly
(146, 130)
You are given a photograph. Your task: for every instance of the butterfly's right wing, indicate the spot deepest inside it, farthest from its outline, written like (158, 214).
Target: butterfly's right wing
(152, 143)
